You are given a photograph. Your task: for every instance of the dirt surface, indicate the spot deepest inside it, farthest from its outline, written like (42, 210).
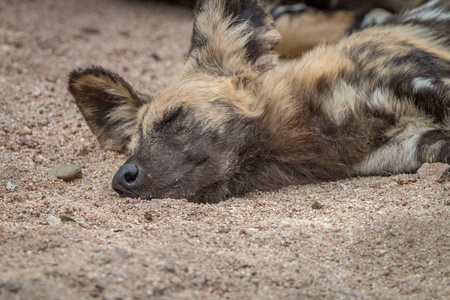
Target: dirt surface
(373, 237)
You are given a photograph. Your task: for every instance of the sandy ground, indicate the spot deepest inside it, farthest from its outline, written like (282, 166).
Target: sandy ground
(373, 237)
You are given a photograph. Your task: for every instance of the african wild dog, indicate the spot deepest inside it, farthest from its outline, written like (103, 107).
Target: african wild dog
(305, 24)
(333, 5)
(235, 120)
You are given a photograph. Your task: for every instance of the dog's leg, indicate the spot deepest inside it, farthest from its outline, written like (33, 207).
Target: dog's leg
(407, 151)
(434, 146)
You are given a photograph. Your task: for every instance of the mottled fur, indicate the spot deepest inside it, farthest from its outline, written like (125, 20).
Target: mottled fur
(306, 24)
(235, 120)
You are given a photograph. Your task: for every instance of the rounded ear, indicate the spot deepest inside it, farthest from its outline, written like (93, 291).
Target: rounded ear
(233, 37)
(108, 103)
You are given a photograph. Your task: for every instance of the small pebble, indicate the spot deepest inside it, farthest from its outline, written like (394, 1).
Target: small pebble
(26, 131)
(90, 30)
(437, 172)
(13, 286)
(317, 205)
(38, 159)
(66, 172)
(83, 152)
(66, 219)
(156, 56)
(51, 79)
(10, 187)
(123, 252)
(37, 92)
(148, 216)
(52, 220)
(375, 185)
(223, 229)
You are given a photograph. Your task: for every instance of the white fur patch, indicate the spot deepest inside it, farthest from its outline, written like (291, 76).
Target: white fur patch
(397, 156)
(282, 9)
(374, 17)
(381, 99)
(432, 3)
(421, 83)
(437, 14)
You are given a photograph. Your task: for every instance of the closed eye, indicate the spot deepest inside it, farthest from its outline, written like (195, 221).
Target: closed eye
(169, 117)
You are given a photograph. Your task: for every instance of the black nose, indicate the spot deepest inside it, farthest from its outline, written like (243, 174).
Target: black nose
(126, 181)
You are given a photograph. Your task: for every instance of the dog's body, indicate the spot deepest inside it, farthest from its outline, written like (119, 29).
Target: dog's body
(308, 23)
(376, 101)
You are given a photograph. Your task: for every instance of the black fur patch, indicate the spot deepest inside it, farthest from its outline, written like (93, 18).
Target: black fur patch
(251, 12)
(429, 139)
(169, 117)
(198, 39)
(406, 68)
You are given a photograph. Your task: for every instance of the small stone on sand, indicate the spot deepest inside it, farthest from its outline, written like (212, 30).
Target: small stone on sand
(317, 205)
(10, 187)
(437, 172)
(66, 172)
(13, 286)
(52, 220)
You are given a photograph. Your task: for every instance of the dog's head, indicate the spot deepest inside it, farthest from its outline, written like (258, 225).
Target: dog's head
(186, 142)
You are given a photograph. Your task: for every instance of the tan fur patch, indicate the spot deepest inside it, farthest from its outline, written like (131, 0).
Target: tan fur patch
(305, 30)
(105, 99)
(225, 50)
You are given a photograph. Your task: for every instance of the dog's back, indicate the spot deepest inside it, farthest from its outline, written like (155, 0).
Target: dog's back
(378, 100)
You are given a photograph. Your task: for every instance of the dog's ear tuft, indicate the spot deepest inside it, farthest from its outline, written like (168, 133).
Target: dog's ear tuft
(108, 103)
(233, 37)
